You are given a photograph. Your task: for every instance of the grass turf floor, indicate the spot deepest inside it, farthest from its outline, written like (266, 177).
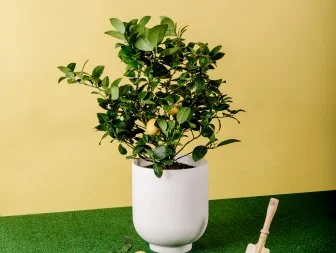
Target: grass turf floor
(303, 223)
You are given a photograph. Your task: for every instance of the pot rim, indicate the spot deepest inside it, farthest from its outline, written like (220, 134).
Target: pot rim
(185, 160)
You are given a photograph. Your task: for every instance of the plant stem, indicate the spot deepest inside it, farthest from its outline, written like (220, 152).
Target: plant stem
(183, 156)
(189, 142)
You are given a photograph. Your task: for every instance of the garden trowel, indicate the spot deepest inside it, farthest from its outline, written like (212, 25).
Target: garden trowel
(264, 232)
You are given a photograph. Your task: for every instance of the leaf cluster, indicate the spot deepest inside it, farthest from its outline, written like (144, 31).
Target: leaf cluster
(163, 72)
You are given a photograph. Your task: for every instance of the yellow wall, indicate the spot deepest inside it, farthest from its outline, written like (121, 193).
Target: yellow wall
(280, 67)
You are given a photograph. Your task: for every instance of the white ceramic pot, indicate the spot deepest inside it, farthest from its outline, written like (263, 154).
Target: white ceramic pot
(170, 212)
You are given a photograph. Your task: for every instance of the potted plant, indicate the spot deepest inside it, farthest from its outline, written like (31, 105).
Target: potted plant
(165, 101)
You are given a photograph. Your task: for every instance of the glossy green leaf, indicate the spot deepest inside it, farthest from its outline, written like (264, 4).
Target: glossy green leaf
(103, 137)
(167, 108)
(171, 125)
(204, 61)
(71, 80)
(143, 44)
(157, 170)
(215, 50)
(207, 132)
(217, 56)
(162, 124)
(65, 70)
(102, 103)
(71, 66)
(144, 20)
(97, 71)
(228, 141)
(199, 83)
(122, 150)
(106, 82)
(118, 25)
(171, 31)
(142, 95)
(102, 117)
(156, 34)
(61, 79)
(137, 149)
(115, 34)
(114, 92)
(119, 45)
(170, 51)
(199, 152)
(161, 152)
(116, 82)
(182, 114)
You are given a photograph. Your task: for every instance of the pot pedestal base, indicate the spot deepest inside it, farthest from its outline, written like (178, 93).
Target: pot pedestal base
(162, 249)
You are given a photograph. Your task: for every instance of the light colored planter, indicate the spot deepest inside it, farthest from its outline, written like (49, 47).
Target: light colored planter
(170, 212)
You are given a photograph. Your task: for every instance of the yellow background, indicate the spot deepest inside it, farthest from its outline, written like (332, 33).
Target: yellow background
(280, 67)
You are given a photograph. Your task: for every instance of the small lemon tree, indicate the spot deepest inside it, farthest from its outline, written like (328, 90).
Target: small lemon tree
(166, 99)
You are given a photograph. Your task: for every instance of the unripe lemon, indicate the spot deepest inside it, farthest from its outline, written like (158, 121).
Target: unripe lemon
(140, 252)
(173, 111)
(151, 129)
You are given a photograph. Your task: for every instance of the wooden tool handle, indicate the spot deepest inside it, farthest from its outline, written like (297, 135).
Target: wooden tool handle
(272, 207)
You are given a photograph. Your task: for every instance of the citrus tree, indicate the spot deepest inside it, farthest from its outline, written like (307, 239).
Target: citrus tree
(164, 100)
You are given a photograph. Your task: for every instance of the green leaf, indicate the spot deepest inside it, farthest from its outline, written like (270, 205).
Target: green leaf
(156, 34)
(97, 71)
(161, 152)
(102, 127)
(159, 70)
(102, 117)
(137, 149)
(148, 102)
(162, 124)
(103, 137)
(207, 132)
(129, 73)
(143, 44)
(116, 82)
(122, 150)
(144, 20)
(182, 114)
(157, 170)
(217, 56)
(71, 66)
(115, 34)
(170, 51)
(203, 61)
(171, 31)
(167, 108)
(228, 141)
(199, 83)
(142, 95)
(119, 45)
(61, 79)
(118, 25)
(106, 82)
(71, 80)
(199, 152)
(171, 125)
(215, 50)
(114, 92)
(65, 70)
(102, 103)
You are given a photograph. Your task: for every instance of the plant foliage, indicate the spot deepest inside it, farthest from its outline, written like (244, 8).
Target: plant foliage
(163, 74)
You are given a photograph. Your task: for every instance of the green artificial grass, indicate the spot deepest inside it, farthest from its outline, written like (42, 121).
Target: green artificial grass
(303, 223)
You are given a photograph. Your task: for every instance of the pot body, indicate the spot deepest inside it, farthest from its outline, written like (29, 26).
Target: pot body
(170, 212)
